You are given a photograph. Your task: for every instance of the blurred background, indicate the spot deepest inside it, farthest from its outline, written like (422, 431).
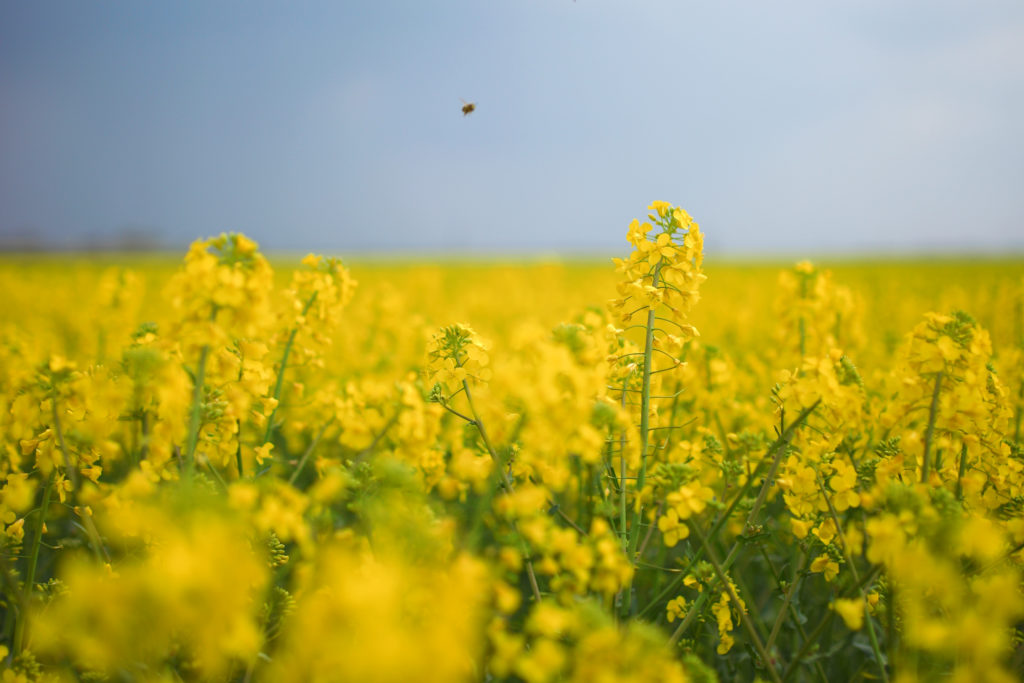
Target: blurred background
(786, 128)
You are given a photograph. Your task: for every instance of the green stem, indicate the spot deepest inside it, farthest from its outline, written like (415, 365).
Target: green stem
(744, 617)
(856, 577)
(534, 586)
(88, 526)
(931, 427)
(645, 431)
(279, 385)
(780, 450)
(59, 433)
(33, 562)
(216, 475)
(1017, 419)
(309, 451)
(623, 531)
(197, 404)
(238, 423)
(12, 592)
(809, 642)
(797, 576)
(786, 600)
(645, 402)
(720, 521)
(961, 471)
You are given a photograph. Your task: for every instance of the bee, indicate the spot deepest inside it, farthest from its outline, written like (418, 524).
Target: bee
(468, 107)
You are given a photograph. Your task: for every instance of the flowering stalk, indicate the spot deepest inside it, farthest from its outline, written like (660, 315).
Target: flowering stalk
(960, 472)
(787, 599)
(662, 273)
(476, 422)
(931, 427)
(645, 420)
(309, 451)
(284, 363)
(856, 577)
(645, 413)
(623, 530)
(71, 470)
(33, 562)
(744, 617)
(780, 447)
(197, 404)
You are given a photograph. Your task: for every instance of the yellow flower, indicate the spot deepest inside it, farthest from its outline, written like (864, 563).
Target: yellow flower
(263, 452)
(852, 612)
(826, 531)
(662, 208)
(672, 529)
(723, 616)
(825, 565)
(801, 527)
(676, 609)
(637, 232)
(550, 620)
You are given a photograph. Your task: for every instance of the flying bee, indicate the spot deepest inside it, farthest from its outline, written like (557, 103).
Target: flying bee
(468, 107)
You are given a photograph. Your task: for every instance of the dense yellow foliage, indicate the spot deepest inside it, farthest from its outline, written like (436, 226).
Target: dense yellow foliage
(656, 469)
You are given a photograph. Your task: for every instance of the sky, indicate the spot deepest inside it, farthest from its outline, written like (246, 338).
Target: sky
(784, 127)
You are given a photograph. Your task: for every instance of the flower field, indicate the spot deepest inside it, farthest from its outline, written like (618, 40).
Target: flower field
(652, 469)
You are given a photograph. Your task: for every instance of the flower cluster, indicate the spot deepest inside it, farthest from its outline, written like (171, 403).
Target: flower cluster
(235, 481)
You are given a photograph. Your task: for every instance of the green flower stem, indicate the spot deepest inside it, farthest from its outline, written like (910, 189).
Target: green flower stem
(88, 526)
(650, 532)
(309, 451)
(645, 408)
(744, 617)
(856, 577)
(279, 385)
(33, 562)
(623, 596)
(1020, 409)
(216, 475)
(809, 642)
(195, 418)
(68, 466)
(556, 509)
(238, 423)
(12, 592)
(931, 427)
(194, 422)
(623, 531)
(633, 530)
(961, 471)
(476, 422)
(788, 605)
(716, 527)
(779, 448)
(482, 505)
(787, 599)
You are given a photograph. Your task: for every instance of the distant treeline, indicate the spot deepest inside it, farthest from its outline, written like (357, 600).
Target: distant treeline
(128, 239)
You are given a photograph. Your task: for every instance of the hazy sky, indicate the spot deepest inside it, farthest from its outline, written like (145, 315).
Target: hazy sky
(786, 127)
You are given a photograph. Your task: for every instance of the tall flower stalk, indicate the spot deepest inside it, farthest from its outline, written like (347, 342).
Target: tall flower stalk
(660, 281)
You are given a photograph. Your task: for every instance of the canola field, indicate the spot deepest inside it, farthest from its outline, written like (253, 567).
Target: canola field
(229, 468)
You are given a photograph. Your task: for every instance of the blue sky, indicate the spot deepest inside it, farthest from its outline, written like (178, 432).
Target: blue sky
(786, 127)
